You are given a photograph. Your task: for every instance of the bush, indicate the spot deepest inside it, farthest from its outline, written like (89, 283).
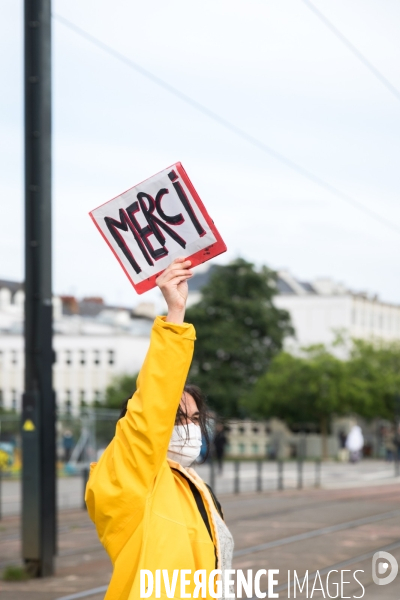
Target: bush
(15, 573)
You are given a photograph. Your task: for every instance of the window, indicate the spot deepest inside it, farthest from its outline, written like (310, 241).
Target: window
(241, 448)
(14, 399)
(82, 357)
(96, 357)
(111, 357)
(97, 396)
(68, 357)
(82, 396)
(68, 404)
(14, 357)
(255, 448)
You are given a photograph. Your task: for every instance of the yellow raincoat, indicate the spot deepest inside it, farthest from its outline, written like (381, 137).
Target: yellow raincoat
(145, 513)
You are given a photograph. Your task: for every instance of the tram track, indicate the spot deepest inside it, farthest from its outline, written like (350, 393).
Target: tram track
(288, 511)
(305, 505)
(353, 524)
(250, 508)
(335, 566)
(316, 533)
(344, 563)
(267, 545)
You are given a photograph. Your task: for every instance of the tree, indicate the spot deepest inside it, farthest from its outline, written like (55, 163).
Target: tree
(373, 378)
(122, 387)
(301, 389)
(239, 331)
(314, 386)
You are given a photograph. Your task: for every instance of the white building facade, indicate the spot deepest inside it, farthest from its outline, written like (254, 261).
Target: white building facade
(89, 350)
(323, 309)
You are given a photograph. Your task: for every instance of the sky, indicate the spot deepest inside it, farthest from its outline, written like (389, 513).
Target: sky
(272, 69)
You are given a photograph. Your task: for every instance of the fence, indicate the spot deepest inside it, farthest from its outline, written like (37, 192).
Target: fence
(267, 475)
(263, 475)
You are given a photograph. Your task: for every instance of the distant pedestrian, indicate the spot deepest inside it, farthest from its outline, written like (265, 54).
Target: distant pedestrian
(219, 443)
(355, 443)
(343, 452)
(342, 439)
(396, 442)
(389, 443)
(68, 444)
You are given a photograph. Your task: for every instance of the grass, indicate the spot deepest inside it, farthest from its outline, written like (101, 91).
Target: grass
(15, 573)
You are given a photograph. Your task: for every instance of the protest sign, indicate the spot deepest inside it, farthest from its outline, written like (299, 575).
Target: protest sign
(153, 223)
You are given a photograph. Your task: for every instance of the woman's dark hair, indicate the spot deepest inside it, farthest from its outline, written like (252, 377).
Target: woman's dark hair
(181, 414)
(202, 407)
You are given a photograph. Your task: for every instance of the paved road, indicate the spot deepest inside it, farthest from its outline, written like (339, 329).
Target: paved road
(327, 475)
(313, 529)
(333, 475)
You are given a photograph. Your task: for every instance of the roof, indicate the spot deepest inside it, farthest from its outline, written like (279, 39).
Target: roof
(283, 287)
(307, 286)
(198, 281)
(13, 286)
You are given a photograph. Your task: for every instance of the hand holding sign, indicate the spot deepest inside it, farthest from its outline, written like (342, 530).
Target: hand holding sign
(174, 288)
(153, 223)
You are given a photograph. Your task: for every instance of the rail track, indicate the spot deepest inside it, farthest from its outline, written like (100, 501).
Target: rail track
(287, 540)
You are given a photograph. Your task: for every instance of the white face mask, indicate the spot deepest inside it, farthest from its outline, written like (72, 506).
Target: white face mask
(185, 444)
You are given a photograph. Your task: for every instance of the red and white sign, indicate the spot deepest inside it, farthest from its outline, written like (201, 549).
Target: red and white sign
(153, 223)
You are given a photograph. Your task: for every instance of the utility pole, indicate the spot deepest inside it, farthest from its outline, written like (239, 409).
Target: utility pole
(38, 405)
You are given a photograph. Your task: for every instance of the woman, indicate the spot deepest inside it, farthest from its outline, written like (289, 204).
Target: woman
(355, 443)
(150, 509)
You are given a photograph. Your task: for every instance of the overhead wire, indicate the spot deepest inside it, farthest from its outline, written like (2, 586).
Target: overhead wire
(226, 124)
(353, 49)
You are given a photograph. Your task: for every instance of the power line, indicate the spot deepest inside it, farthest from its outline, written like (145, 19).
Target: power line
(353, 49)
(227, 124)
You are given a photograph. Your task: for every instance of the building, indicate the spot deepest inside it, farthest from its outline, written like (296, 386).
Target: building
(273, 439)
(321, 309)
(92, 342)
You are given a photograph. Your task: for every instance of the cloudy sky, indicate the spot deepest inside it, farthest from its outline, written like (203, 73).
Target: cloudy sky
(272, 69)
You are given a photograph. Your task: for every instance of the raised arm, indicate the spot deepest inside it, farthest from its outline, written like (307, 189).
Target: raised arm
(120, 483)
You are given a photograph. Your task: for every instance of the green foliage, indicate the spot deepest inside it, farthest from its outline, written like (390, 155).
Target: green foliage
(7, 411)
(121, 388)
(300, 389)
(316, 385)
(373, 378)
(10, 424)
(15, 573)
(239, 331)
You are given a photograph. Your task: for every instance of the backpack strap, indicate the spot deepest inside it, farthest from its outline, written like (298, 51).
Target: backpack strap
(200, 505)
(217, 504)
